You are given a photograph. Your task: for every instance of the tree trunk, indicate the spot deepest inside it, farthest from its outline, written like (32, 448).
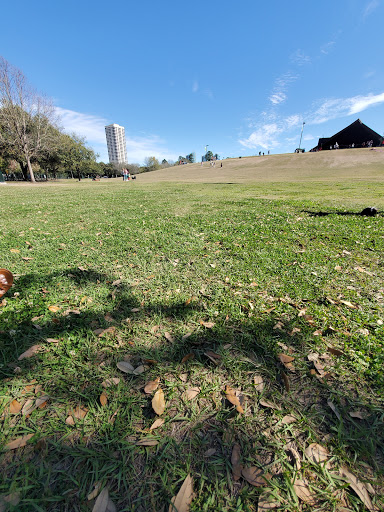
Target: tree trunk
(32, 176)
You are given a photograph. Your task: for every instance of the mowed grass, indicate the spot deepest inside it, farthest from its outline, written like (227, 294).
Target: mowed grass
(178, 269)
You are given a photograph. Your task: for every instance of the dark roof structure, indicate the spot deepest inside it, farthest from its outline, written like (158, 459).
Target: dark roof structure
(357, 134)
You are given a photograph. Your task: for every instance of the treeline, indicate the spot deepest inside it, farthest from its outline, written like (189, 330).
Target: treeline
(34, 146)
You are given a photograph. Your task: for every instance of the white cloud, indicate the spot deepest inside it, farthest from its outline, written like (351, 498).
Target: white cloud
(92, 128)
(333, 108)
(300, 58)
(195, 86)
(266, 135)
(327, 47)
(308, 137)
(370, 7)
(277, 98)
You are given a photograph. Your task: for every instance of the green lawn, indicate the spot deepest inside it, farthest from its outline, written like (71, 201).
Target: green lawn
(235, 275)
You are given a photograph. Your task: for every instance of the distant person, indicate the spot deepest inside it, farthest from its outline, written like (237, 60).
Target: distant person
(221, 165)
(353, 144)
(263, 154)
(268, 151)
(259, 153)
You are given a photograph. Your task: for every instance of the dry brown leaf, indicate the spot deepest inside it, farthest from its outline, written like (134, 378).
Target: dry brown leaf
(125, 367)
(349, 304)
(286, 381)
(210, 452)
(10, 499)
(182, 501)
(358, 486)
(103, 399)
(54, 309)
(313, 356)
(169, 337)
(15, 251)
(259, 383)
(335, 351)
(186, 336)
(114, 381)
(292, 448)
(255, 476)
(30, 352)
(320, 368)
(70, 421)
(52, 340)
(212, 355)
(157, 423)
(135, 310)
(80, 412)
(235, 461)
(303, 492)
(317, 453)
(25, 258)
(208, 325)
(183, 377)
(231, 397)
(191, 393)
(18, 443)
(98, 331)
(267, 502)
(279, 326)
(95, 491)
(189, 356)
(152, 385)
(147, 442)
(28, 407)
(158, 402)
(109, 318)
(14, 407)
(287, 361)
(109, 330)
(288, 419)
(270, 405)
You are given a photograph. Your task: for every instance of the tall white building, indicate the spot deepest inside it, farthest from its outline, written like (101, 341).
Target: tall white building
(117, 146)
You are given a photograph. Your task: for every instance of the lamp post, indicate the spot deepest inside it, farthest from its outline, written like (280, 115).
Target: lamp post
(206, 149)
(302, 129)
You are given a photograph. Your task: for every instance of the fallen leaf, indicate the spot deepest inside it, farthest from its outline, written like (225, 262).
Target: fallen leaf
(279, 326)
(267, 502)
(286, 381)
(270, 405)
(15, 251)
(25, 258)
(320, 368)
(189, 356)
(191, 393)
(235, 461)
(287, 361)
(186, 336)
(102, 502)
(147, 442)
(334, 409)
(117, 282)
(358, 487)
(80, 412)
(135, 310)
(182, 501)
(125, 367)
(139, 370)
(157, 423)
(103, 399)
(169, 337)
(231, 397)
(18, 443)
(109, 330)
(347, 303)
(259, 383)
(14, 407)
(359, 414)
(109, 318)
(98, 331)
(70, 421)
(212, 355)
(335, 351)
(316, 453)
(255, 476)
(95, 491)
(208, 325)
(158, 402)
(288, 419)
(10, 499)
(28, 407)
(183, 377)
(313, 356)
(30, 352)
(114, 381)
(303, 492)
(210, 452)
(52, 340)
(152, 385)
(292, 448)
(54, 309)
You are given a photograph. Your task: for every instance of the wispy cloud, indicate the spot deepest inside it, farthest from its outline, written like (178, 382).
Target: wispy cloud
(195, 86)
(280, 87)
(370, 7)
(327, 47)
(266, 135)
(300, 58)
(333, 108)
(92, 128)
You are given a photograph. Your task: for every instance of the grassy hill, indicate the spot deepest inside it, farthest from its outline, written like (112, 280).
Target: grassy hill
(341, 165)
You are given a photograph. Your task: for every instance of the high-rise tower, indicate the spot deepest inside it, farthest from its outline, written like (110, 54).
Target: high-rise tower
(117, 147)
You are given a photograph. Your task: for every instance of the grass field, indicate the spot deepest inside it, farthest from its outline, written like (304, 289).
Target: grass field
(258, 306)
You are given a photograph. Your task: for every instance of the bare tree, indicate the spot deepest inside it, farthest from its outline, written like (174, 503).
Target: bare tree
(26, 119)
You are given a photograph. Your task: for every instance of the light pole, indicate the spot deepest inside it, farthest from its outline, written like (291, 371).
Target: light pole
(302, 129)
(206, 149)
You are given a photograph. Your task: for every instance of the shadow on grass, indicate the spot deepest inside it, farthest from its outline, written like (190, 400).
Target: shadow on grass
(342, 213)
(64, 462)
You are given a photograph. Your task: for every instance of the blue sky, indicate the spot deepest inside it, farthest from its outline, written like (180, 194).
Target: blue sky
(241, 77)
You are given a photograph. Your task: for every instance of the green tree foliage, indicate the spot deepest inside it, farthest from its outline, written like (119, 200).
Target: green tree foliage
(151, 163)
(208, 156)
